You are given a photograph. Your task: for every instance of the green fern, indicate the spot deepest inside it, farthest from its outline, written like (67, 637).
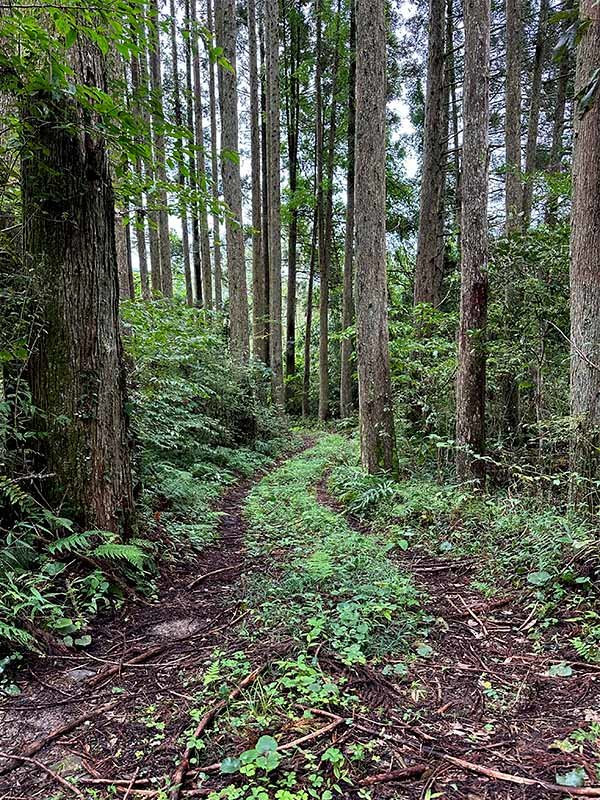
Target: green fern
(74, 543)
(18, 636)
(131, 553)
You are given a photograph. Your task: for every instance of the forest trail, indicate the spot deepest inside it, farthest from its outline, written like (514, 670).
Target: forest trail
(476, 710)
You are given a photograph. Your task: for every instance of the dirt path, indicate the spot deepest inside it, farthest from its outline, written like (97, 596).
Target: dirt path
(482, 694)
(149, 655)
(119, 714)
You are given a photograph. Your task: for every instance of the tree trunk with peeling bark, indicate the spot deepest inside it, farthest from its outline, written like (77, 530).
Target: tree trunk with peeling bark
(76, 368)
(226, 28)
(471, 374)
(585, 267)
(377, 436)
(429, 265)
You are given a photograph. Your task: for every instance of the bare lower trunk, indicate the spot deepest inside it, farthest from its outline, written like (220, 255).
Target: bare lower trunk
(471, 375)
(260, 339)
(453, 111)
(196, 265)
(158, 137)
(585, 268)
(346, 398)
(429, 266)
(274, 197)
(207, 292)
(377, 436)
(76, 369)
(512, 127)
(309, 317)
(225, 23)
(214, 172)
(534, 110)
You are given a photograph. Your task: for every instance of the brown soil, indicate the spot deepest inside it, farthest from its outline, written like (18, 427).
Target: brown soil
(483, 696)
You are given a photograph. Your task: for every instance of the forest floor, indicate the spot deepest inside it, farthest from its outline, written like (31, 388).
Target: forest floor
(470, 706)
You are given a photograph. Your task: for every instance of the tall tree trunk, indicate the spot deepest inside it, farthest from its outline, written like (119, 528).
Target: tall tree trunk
(152, 200)
(377, 436)
(265, 188)
(293, 133)
(124, 266)
(585, 266)
(451, 72)
(429, 265)
(201, 165)
(534, 110)
(346, 399)
(225, 23)
(512, 126)
(471, 375)
(274, 197)
(558, 129)
(179, 157)
(77, 372)
(260, 340)
(309, 316)
(196, 265)
(214, 171)
(321, 213)
(158, 121)
(140, 212)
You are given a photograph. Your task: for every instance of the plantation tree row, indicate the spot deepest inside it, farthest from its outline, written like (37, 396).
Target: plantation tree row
(250, 159)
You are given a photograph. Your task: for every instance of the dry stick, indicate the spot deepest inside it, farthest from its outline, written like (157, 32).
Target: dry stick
(180, 772)
(308, 737)
(105, 674)
(591, 791)
(196, 581)
(131, 783)
(36, 746)
(65, 784)
(395, 775)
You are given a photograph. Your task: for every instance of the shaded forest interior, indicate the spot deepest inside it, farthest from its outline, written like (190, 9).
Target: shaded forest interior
(299, 399)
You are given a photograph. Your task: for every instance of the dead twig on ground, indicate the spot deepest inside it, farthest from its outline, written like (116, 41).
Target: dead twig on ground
(395, 775)
(201, 578)
(39, 744)
(38, 764)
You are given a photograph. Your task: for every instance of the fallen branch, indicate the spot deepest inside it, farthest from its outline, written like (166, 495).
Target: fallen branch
(39, 744)
(201, 578)
(60, 780)
(590, 791)
(107, 673)
(395, 775)
(180, 773)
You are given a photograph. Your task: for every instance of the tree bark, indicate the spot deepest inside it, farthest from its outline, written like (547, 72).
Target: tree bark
(346, 394)
(189, 83)
(471, 375)
(140, 213)
(321, 214)
(512, 127)
(429, 265)
(207, 291)
(534, 111)
(451, 73)
(274, 197)
(585, 267)
(293, 134)
(214, 171)
(179, 157)
(77, 371)
(558, 129)
(260, 339)
(377, 436)
(265, 188)
(158, 137)
(309, 316)
(225, 23)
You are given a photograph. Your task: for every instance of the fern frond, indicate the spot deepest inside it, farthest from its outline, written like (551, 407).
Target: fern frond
(74, 543)
(131, 553)
(18, 636)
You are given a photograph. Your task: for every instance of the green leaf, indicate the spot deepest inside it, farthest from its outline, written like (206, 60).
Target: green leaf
(266, 744)
(560, 671)
(84, 641)
(538, 578)
(575, 778)
(230, 765)
(425, 650)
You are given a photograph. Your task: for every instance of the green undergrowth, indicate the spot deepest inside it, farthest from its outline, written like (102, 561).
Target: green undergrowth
(513, 541)
(324, 582)
(198, 421)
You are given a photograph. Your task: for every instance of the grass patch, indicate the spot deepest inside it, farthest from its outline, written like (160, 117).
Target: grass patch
(327, 583)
